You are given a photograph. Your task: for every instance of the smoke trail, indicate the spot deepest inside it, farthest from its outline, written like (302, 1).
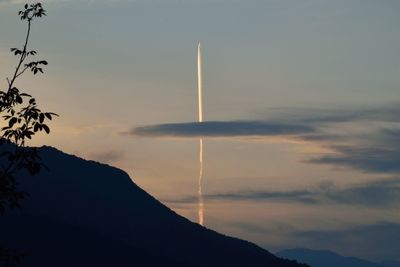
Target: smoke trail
(200, 91)
(200, 82)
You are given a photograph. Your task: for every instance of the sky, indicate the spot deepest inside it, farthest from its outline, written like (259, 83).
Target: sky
(300, 100)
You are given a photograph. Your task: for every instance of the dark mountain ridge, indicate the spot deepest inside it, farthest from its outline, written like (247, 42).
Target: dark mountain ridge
(84, 213)
(325, 258)
(391, 263)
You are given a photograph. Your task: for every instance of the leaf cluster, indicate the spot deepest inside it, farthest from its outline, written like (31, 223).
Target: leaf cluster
(31, 11)
(20, 119)
(9, 257)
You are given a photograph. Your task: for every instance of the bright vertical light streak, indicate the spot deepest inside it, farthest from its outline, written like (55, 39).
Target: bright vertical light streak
(200, 82)
(200, 96)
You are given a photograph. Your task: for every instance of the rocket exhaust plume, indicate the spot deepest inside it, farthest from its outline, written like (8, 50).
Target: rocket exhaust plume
(200, 82)
(200, 96)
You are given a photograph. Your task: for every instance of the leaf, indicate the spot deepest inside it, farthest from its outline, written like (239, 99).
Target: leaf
(18, 99)
(11, 122)
(46, 128)
(29, 134)
(41, 117)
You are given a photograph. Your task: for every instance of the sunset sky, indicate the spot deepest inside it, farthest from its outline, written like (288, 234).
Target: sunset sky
(301, 103)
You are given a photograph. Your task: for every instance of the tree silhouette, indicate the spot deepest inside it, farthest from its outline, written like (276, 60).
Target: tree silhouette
(20, 119)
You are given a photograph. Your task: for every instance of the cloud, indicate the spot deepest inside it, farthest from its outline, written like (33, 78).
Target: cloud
(368, 159)
(259, 195)
(390, 135)
(374, 148)
(304, 196)
(376, 152)
(221, 129)
(106, 156)
(387, 113)
(381, 193)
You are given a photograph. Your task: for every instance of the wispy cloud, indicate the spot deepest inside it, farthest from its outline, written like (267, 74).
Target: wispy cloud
(381, 193)
(375, 151)
(368, 159)
(387, 113)
(106, 156)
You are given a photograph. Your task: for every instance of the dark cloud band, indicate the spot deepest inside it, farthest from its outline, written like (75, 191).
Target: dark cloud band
(368, 159)
(221, 129)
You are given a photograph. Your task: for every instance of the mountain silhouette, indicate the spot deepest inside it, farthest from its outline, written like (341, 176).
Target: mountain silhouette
(325, 258)
(84, 213)
(390, 263)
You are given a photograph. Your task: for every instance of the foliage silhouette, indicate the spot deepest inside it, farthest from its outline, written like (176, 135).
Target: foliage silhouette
(8, 257)
(21, 120)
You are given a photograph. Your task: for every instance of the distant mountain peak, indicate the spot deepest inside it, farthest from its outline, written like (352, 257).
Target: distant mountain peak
(324, 258)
